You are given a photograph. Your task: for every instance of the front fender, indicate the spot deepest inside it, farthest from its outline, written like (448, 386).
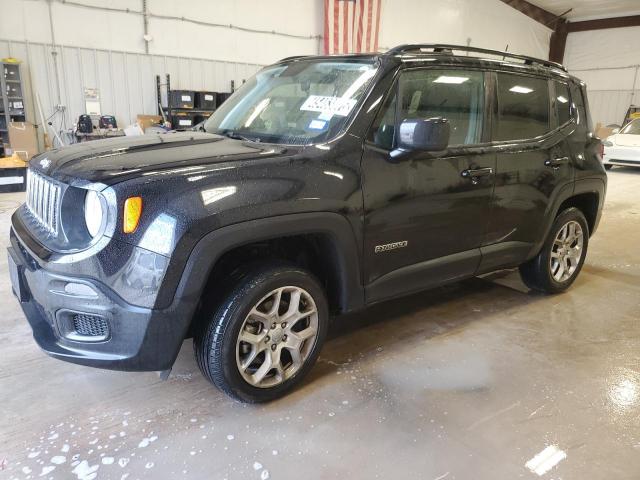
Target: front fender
(185, 280)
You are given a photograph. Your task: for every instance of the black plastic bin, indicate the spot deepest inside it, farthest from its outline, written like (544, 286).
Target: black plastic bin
(181, 98)
(182, 121)
(222, 96)
(206, 100)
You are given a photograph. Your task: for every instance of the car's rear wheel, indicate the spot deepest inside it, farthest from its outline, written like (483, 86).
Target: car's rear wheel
(560, 260)
(265, 336)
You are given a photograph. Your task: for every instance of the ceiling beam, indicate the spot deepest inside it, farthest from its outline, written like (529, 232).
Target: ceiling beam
(616, 22)
(538, 14)
(558, 42)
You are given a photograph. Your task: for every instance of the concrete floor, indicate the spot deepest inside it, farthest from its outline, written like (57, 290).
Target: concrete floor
(465, 382)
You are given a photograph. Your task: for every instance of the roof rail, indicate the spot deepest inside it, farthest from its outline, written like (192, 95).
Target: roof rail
(293, 57)
(448, 49)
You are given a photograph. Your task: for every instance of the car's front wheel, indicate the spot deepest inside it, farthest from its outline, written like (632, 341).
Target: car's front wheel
(560, 260)
(265, 336)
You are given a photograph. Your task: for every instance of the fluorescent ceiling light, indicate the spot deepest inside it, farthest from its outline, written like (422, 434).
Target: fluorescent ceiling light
(448, 79)
(519, 89)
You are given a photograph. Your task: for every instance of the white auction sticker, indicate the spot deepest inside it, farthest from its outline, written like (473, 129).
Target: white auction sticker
(331, 105)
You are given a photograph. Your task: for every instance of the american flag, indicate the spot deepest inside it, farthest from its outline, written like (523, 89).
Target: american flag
(351, 26)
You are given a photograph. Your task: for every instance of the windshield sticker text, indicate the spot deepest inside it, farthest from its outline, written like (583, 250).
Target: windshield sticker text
(330, 105)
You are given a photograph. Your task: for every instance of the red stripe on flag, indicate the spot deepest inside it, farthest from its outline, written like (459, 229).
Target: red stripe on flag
(336, 27)
(345, 26)
(326, 27)
(369, 21)
(379, 11)
(360, 27)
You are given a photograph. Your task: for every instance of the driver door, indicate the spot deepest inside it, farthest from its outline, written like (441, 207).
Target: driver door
(426, 213)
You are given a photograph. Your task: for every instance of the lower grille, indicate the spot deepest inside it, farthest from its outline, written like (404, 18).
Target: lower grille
(90, 326)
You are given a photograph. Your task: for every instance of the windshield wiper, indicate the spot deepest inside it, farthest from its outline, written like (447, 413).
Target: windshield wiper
(236, 136)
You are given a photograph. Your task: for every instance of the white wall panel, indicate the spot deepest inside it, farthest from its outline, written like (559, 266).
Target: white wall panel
(608, 62)
(125, 80)
(486, 23)
(91, 28)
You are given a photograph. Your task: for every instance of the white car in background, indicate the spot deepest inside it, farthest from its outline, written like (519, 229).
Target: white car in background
(623, 147)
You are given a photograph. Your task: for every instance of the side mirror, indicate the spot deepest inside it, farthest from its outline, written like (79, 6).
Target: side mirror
(430, 134)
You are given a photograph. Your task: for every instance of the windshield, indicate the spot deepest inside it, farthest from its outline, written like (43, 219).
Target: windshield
(632, 128)
(299, 103)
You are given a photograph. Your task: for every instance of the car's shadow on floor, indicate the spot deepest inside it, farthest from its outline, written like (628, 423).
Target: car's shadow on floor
(425, 315)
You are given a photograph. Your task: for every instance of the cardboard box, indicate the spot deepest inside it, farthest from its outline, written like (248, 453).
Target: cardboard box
(24, 141)
(603, 132)
(13, 161)
(146, 121)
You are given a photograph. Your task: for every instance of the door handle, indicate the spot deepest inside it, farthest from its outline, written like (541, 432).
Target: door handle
(475, 174)
(556, 162)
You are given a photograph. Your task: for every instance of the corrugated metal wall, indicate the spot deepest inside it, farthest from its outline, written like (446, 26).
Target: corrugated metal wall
(610, 106)
(611, 90)
(126, 81)
(608, 62)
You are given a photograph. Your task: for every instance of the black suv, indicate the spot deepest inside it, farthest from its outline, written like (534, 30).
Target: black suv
(323, 185)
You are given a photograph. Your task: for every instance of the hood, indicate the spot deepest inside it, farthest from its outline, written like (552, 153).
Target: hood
(626, 140)
(114, 160)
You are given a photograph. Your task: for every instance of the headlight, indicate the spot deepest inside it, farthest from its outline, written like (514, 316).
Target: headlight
(93, 212)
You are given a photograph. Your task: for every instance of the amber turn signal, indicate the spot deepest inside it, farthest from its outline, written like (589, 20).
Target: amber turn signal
(132, 213)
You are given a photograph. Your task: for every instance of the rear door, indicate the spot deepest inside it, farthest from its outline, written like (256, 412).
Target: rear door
(427, 212)
(534, 165)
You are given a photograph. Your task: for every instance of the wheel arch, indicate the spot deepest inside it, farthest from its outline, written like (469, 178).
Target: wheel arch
(333, 231)
(587, 195)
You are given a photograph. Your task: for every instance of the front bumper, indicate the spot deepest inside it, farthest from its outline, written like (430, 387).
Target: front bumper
(136, 338)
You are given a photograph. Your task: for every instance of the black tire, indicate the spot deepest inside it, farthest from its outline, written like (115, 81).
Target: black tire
(215, 342)
(608, 166)
(536, 273)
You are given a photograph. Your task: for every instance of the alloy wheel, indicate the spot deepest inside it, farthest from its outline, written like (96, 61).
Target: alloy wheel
(277, 337)
(566, 251)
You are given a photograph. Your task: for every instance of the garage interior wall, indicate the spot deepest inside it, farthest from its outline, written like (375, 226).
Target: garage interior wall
(106, 50)
(608, 61)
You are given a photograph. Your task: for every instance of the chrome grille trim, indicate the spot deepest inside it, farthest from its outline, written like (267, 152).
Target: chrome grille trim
(43, 201)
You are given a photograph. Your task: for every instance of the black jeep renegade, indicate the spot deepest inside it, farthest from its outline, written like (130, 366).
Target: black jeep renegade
(323, 185)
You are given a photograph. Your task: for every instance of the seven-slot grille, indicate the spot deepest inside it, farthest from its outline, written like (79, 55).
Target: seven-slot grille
(43, 198)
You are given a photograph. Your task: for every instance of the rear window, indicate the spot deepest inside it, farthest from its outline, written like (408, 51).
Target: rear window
(523, 107)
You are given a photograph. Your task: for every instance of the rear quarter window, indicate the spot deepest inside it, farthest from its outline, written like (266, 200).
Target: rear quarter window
(523, 107)
(562, 103)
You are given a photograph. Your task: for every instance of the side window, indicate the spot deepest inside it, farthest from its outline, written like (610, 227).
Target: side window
(523, 107)
(563, 103)
(456, 95)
